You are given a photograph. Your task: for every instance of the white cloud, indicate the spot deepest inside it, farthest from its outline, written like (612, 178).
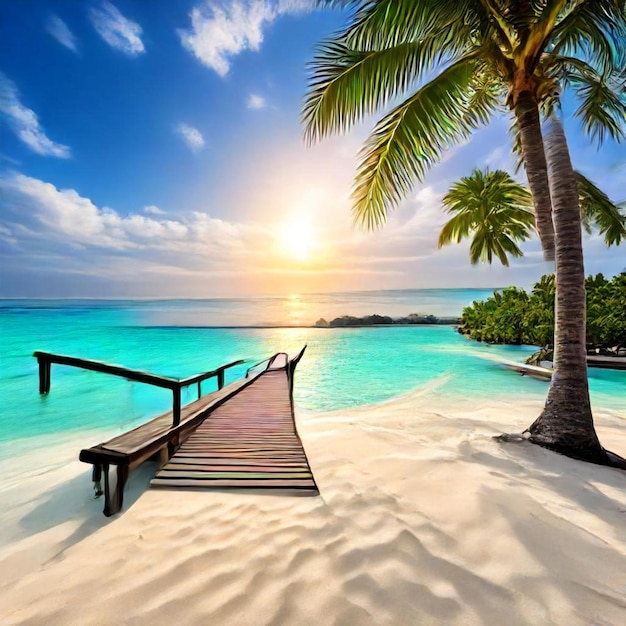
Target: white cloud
(63, 215)
(256, 102)
(153, 210)
(191, 136)
(25, 123)
(61, 32)
(220, 31)
(118, 31)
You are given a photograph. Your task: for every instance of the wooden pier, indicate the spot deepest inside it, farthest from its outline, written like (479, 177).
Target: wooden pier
(229, 442)
(250, 443)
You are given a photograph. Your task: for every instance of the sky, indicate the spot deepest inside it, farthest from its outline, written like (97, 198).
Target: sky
(155, 150)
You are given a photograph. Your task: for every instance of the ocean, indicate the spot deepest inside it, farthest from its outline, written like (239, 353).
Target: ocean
(341, 368)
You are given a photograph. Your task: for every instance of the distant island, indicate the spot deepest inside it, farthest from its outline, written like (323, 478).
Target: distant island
(384, 320)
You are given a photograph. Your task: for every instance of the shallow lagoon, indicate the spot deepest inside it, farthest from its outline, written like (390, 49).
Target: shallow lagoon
(342, 367)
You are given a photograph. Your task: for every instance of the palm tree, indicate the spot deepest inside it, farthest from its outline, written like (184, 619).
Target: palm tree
(461, 61)
(495, 210)
(493, 207)
(568, 408)
(568, 394)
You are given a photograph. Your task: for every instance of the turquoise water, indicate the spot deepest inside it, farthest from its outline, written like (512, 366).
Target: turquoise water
(341, 368)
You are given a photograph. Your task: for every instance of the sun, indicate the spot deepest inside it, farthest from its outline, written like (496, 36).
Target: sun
(296, 239)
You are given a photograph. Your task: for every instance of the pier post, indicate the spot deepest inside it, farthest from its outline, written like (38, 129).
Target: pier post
(45, 368)
(220, 379)
(176, 407)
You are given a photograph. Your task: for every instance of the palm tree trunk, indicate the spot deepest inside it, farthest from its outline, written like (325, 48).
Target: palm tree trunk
(528, 122)
(566, 423)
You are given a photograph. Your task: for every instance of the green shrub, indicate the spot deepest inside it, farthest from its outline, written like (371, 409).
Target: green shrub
(513, 316)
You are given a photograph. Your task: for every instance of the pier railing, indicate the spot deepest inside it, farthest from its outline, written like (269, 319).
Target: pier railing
(270, 362)
(175, 385)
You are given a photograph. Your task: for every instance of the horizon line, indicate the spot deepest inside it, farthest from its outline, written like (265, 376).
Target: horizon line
(243, 297)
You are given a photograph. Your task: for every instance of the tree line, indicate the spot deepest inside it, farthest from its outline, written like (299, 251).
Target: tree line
(514, 316)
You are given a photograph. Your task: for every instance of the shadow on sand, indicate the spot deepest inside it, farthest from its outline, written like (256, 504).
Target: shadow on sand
(72, 501)
(568, 529)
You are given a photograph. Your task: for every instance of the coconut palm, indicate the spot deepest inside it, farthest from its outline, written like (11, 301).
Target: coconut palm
(495, 211)
(492, 208)
(461, 61)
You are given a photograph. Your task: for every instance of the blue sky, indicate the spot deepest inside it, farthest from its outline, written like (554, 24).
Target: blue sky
(154, 149)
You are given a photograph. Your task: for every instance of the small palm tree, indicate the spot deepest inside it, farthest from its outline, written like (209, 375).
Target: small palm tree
(491, 208)
(495, 211)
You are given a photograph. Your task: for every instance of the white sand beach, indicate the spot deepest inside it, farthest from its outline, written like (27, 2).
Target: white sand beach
(423, 519)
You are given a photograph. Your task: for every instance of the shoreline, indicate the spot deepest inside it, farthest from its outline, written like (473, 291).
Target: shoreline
(423, 518)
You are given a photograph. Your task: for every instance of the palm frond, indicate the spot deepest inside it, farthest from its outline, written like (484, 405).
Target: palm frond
(456, 229)
(567, 69)
(406, 142)
(488, 92)
(506, 246)
(502, 22)
(602, 111)
(596, 207)
(593, 29)
(384, 23)
(585, 221)
(487, 189)
(481, 248)
(486, 244)
(347, 85)
(516, 140)
(575, 65)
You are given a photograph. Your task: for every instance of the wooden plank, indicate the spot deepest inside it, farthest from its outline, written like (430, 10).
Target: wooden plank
(206, 482)
(249, 455)
(251, 458)
(201, 463)
(241, 469)
(252, 447)
(210, 474)
(252, 485)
